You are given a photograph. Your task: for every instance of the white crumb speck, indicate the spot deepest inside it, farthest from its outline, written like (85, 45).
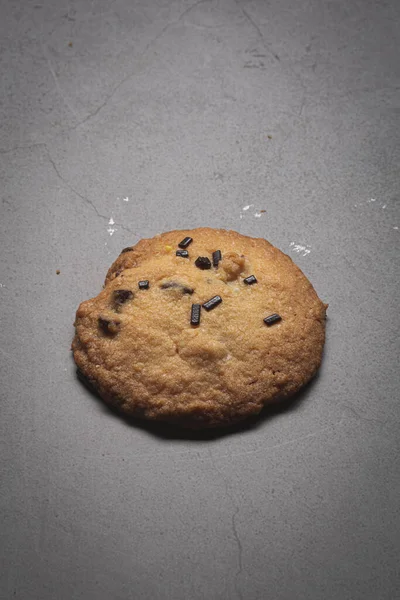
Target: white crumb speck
(300, 249)
(111, 221)
(257, 215)
(247, 207)
(125, 199)
(395, 227)
(111, 230)
(383, 205)
(373, 200)
(240, 216)
(2, 284)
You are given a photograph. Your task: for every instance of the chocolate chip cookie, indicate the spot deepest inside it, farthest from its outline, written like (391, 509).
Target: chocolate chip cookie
(201, 328)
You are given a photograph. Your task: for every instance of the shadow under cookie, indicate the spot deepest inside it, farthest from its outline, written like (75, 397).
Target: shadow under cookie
(173, 431)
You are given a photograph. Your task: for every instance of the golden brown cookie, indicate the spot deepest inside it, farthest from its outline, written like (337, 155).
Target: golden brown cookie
(259, 339)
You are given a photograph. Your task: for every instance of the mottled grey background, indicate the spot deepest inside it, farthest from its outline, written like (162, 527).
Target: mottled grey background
(163, 114)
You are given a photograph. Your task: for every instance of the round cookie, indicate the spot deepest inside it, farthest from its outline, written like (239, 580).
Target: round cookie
(138, 342)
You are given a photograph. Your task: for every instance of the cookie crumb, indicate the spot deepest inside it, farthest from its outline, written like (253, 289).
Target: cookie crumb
(70, 44)
(269, 137)
(58, 271)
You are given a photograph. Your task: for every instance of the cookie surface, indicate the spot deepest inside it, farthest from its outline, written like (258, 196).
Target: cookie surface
(140, 347)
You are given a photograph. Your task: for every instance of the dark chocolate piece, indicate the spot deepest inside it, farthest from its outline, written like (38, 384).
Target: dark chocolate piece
(174, 284)
(144, 285)
(272, 319)
(212, 303)
(202, 262)
(185, 242)
(109, 325)
(129, 249)
(250, 280)
(195, 314)
(217, 256)
(121, 296)
(182, 253)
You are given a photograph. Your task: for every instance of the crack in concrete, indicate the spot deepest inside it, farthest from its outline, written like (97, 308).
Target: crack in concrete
(84, 198)
(70, 187)
(287, 136)
(59, 89)
(234, 527)
(276, 56)
(303, 102)
(66, 183)
(16, 148)
(240, 550)
(172, 23)
(362, 418)
(258, 30)
(92, 114)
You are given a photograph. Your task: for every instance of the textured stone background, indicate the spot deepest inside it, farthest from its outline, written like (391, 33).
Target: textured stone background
(122, 119)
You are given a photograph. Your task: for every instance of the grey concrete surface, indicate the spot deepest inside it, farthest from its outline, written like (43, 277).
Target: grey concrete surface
(163, 114)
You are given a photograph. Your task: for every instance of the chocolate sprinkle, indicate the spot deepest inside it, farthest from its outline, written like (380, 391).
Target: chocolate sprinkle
(217, 256)
(185, 242)
(250, 280)
(121, 296)
(195, 314)
(144, 285)
(182, 253)
(174, 284)
(272, 319)
(212, 303)
(202, 262)
(129, 249)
